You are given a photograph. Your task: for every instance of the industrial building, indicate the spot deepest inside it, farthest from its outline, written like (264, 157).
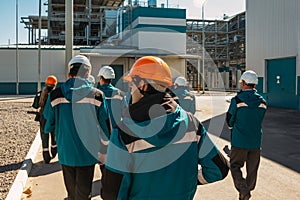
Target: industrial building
(273, 49)
(91, 21)
(109, 32)
(224, 44)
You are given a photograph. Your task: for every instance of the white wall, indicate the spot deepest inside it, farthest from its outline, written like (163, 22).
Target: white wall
(8, 65)
(173, 42)
(272, 31)
(53, 61)
(177, 66)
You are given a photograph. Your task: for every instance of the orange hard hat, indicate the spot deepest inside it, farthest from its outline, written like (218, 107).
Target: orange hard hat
(51, 80)
(152, 68)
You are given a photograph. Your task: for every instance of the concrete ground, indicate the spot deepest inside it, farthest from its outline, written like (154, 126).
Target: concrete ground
(278, 176)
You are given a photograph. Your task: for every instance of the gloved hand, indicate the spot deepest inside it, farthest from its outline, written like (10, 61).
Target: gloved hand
(53, 151)
(46, 156)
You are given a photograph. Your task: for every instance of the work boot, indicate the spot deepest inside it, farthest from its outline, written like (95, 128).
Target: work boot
(53, 151)
(46, 156)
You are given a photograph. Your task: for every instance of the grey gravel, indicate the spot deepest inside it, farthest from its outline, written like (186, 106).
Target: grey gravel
(17, 132)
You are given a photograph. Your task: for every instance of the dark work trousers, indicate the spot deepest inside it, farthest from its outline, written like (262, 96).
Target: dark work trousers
(78, 181)
(45, 138)
(238, 157)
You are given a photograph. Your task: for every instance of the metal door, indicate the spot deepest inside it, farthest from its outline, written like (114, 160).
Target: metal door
(281, 83)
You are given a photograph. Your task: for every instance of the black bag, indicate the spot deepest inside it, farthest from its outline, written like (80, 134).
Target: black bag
(36, 101)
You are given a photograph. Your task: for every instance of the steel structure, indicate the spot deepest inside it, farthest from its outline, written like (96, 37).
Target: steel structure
(90, 16)
(224, 43)
(32, 24)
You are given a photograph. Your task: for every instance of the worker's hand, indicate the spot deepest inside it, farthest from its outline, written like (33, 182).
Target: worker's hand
(170, 105)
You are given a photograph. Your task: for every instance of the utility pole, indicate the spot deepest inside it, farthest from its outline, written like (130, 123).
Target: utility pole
(39, 48)
(203, 49)
(69, 34)
(17, 48)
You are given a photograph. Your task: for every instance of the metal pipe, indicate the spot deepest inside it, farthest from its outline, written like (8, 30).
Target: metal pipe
(69, 34)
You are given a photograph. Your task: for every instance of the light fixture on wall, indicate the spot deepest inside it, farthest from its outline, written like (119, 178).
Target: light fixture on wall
(278, 79)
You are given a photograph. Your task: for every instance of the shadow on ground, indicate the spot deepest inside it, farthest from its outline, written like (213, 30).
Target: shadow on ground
(281, 135)
(40, 169)
(10, 167)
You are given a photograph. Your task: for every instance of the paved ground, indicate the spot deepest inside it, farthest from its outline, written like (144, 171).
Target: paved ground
(278, 177)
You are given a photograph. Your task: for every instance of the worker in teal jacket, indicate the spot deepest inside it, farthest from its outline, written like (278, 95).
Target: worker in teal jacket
(186, 100)
(158, 151)
(244, 118)
(78, 114)
(116, 102)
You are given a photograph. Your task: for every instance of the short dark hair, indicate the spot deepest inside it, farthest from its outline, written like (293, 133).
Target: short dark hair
(106, 81)
(251, 85)
(79, 69)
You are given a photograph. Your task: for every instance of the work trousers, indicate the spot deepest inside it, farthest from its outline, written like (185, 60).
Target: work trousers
(78, 181)
(45, 137)
(238, 157)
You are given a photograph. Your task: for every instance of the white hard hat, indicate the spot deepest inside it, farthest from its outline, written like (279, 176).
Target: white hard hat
(91, 78)
(80, 59)
(250, 77)
(107, 72)
(180, 81)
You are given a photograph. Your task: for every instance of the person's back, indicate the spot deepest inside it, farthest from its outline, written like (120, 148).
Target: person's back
(78, 114)
(250, 111)
(114, 96)
(74, 105)
(154, 151)
(244, 117)
(186, 100)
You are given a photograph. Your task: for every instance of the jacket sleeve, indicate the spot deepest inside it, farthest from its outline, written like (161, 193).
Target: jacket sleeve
(105, 130)
(230, 115)
(116, 178)
(212, 165)
(48, 114)
(103, 118)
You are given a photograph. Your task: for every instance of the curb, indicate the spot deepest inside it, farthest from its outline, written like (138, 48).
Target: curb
(19, 183)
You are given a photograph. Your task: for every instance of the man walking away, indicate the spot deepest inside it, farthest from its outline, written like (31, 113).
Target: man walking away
(244, 117)
(51, 82)
(78, 113)
(114, 96)
(185, 98)
(155, 150)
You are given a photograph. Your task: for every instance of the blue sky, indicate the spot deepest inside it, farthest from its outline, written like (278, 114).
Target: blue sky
(214, 9)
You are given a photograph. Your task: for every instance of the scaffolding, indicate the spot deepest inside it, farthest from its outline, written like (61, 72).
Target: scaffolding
(87, 20)
(32, 24)
(224, 44)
